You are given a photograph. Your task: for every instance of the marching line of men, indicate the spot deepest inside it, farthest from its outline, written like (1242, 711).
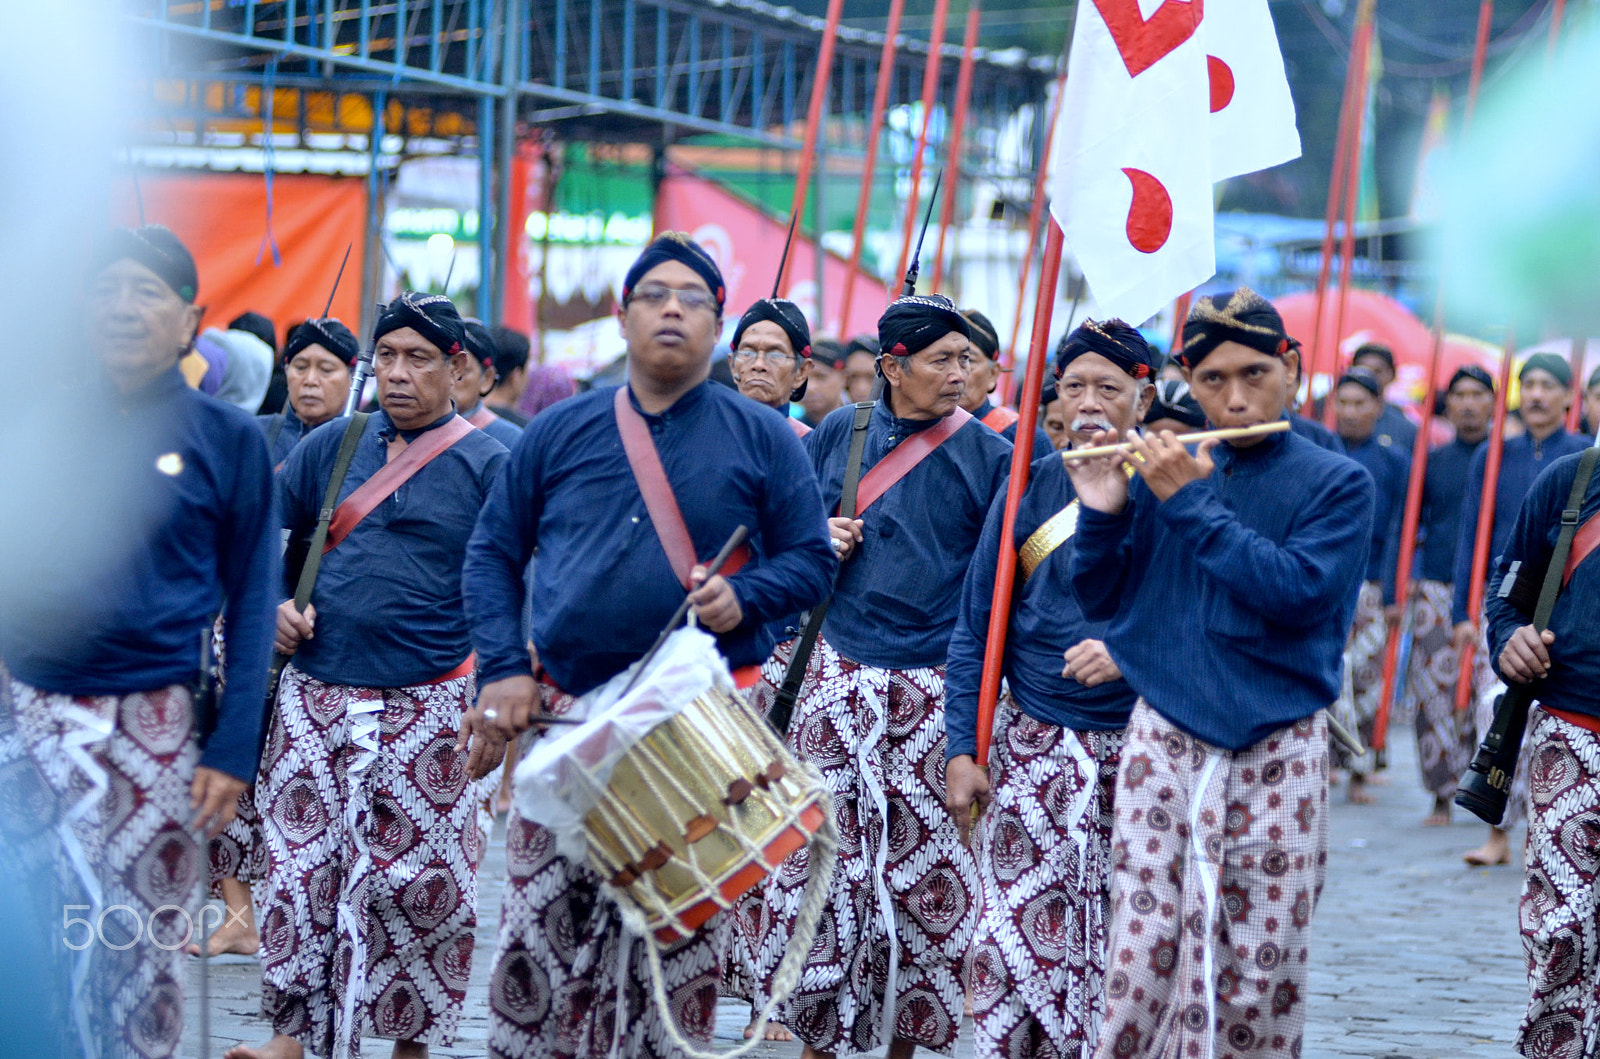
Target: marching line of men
(1155, 840)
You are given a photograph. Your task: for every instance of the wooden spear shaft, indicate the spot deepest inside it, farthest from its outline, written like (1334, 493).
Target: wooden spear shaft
(1035, 214)
(952, 164)
(1485, 528)
(1006, 568)
(880, 102)
(1352, 194)
(808, 149)
(930, 94)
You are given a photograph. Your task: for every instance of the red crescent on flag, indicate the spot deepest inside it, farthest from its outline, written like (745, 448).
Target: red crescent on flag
(1150, 213)
(1220, 74)
(1143, 42)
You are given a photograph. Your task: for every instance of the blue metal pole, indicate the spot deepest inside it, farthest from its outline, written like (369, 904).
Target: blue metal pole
(486, 209)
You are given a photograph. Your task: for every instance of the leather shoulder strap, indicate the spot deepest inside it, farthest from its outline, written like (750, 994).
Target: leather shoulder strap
(852, 465)
(274, 429)
(391, 476)
(906, 455)
(1000, 417)
(330, 496)
(1581, 540)
(799, 428)
(482, 417)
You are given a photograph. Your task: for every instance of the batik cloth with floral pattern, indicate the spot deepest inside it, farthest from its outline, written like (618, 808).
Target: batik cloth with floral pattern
(371, 830)
(101, 786)
(1218, 859)
(568, 981)
(1559, 916)
(903, 906)
(1044, 855)
(1357, 707)
(1446, 737)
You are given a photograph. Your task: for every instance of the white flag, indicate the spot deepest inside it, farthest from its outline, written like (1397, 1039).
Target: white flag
(1163, 98)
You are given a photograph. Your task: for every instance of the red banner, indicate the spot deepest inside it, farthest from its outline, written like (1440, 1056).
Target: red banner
(746, 243)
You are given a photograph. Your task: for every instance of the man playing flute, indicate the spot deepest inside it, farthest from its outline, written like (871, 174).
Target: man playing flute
(1228, 576)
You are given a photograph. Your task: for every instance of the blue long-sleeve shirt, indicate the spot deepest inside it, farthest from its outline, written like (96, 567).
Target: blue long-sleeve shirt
(1045, 622)
(1395, 425)
(896, 599)
(1230, 602)
(1574, 680)
(1520, 463)
(1391, 474)
(279, 445)
(498, 427)
(195, 537)
(1314, 432)
(388, 598)
(603, 587)
(1440, 521)
(1041, 441)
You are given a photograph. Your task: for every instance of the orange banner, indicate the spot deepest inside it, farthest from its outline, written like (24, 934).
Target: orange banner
(221, 218)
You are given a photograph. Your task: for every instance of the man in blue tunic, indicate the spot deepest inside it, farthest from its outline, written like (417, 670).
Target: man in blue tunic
(105, 658)
(771, 356)
(317, 361)
(901, 909)
(1228, 577)
(1358, 404)
(1545, 381)
(567, 980)
(477, 382)
(1045, 845)
(368, 816)
(1558, 909)
(985, 348)
(1445, 738)
(1392, 423)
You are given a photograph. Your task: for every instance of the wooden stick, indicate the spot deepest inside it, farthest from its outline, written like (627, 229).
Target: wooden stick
(880, 100)
(1494, 450)
(930, 92)
(808, 149)
(1352, 193)
(715, 566)
(1259, 430)
(952, 164)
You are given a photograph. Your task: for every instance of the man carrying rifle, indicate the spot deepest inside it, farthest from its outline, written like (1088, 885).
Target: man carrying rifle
(1559, 915)
(368, 816)
(901, 910)
(1045, 856)
(104, 717)
(625, 491)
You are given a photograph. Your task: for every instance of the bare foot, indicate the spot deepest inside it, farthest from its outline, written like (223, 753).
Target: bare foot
(280, 1047)
(226, 941)
(1359, 795)
(1495, 851)
(1440, 817)
(410, 1050)
(775, 1031)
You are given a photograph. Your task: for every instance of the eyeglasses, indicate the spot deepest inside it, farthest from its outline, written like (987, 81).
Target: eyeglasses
(773, 357)
(656, 296)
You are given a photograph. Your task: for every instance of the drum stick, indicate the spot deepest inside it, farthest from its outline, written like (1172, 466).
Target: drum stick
(1345, 736)
(715, 565)
(1275, 427)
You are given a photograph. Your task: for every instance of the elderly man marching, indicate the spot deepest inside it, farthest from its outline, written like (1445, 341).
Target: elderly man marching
(1038, 967)
(772, 356)
(1228, 577)
(368, 816)
(104, 718)
(901, 911)
(624, 491)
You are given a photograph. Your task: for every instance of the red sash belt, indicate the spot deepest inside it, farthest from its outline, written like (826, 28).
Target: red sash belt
(659, 503)
(1586, 540)
(482, 417)
(468, 664)
(1582, 720)
(906, 455)
(743, 678)
(799, 428)
(391, 476)
(1000, 418)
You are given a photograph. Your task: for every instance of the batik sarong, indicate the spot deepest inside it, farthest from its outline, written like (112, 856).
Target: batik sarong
(1218, 860)
(1560, 918)
(903, 905)
(372, 845)
(1357, 707)
(1044, 856)
(1446, 738)
(568, 981)
(101, 788)
(237, 853)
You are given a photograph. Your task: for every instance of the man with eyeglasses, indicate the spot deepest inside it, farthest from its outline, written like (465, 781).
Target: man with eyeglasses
(567, 979)
(870, 713)
(772, 356)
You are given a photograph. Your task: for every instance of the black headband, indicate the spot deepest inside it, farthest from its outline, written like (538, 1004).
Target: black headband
(1473, 372)
(1174, 401)
(1363, 378)
(328, 333)
(676, 246)
(917, 321)
(433, 316)
(1114, 340)
(1241, 316)
(158, 250)
(783, 312)
(983, 333)
(479, 342)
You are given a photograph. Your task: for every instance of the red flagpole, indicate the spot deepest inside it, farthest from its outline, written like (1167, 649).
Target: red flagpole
(952, 164)
(1341, 158)
(1035, 214)
(1580, 352)
(1006, 570)
(1480, 50)
(1352, 193)
(808, 150)
(1485, 527)
(880, 102)
(930, 92)
(1180, 313)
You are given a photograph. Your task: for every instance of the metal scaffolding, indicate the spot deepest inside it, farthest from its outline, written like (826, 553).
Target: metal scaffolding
(622, 71)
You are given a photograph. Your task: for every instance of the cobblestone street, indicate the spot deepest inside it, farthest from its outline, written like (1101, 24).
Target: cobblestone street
(1415, 955)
